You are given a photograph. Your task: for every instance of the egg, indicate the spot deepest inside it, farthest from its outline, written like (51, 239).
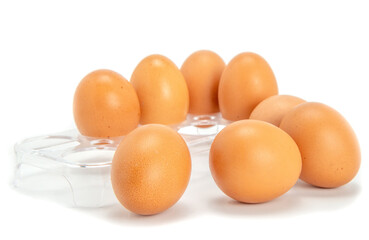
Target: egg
(329, 148)
(253, 161)
(273, 109)
(162, 91)
(246, 81)
(105, 105)
(202, 71)
(151, 169)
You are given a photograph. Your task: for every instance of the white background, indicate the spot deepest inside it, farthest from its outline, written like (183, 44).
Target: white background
(319, 51)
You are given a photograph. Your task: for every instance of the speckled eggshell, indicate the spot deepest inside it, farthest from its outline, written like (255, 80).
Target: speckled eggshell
(105, 105)
(151, 169)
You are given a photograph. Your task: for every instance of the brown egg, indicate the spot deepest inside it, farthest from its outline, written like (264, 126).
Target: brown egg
(328, 145)
(273, 109)
(202, 71)
(253, 161)
(105, 105)
(151, 169)
(246, 81)
(162, 91)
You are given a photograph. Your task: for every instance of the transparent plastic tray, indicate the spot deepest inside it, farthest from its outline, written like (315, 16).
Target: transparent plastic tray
(74, 169)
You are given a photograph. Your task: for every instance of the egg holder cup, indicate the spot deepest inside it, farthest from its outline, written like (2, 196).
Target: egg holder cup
(75, 170)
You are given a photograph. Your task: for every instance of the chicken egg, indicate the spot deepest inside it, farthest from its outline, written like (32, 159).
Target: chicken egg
(253, 161)
(202, 71)
(246, 81)
(328, 145)
(151, 169)
(273, 109)
(162, 91)
(105, 105)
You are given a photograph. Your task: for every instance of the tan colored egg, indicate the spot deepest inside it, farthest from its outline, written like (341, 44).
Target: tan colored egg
(162, 91)
(253, 161)
(151, 169)
(246, 81)
(328, 145)
(273, 109)
(202, 71)
(105, 105)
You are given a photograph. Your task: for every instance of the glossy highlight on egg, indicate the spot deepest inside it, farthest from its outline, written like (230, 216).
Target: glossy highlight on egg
(246, 81)
(260, 142)
(162, 91)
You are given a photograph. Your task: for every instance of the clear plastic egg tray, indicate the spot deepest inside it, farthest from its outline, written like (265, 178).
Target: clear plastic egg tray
(74, 169)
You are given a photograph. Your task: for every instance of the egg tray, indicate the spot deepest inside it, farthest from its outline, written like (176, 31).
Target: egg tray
(74, 169)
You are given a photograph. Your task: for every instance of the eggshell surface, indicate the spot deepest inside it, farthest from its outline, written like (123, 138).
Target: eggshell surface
(253, 161)
(151, 169)
(246, 81)
(328, 145)
(202, 71)
(162, 91)
(274, 108)
(105, 105)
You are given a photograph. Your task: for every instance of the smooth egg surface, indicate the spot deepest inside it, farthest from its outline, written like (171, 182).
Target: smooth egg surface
(151, 169)
(253, 161)
(162, 91)
(202, 71)
(274, 108)
(246, 81)
(105, 105)
(329, 148)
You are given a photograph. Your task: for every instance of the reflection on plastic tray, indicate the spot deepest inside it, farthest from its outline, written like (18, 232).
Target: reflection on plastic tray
(74, 169)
